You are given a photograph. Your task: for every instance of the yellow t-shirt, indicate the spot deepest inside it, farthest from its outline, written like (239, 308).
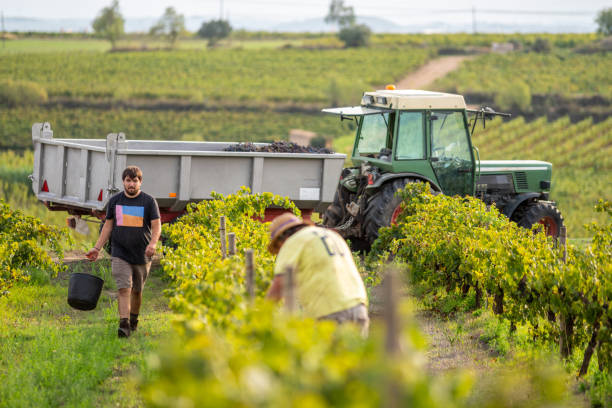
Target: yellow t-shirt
(327, 280)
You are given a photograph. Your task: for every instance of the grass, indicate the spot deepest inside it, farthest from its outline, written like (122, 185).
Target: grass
(41, 45)
(52, 355)
(51, 45)
(260, 44)
(278, 40)
(477, 341)
(461, 336)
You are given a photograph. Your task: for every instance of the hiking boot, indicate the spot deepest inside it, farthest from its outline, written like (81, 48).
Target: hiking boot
(124, 328)
(133, 322)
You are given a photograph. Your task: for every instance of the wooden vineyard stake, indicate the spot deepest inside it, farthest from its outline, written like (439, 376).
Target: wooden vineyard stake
(250, 274)
(289, 289)
(222, 236)
(390, 283)
(231, 242)
(392, 343)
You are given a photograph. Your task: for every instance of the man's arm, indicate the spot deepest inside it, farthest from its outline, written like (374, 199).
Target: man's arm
(105, 234)
(275, 292)
(155, 234)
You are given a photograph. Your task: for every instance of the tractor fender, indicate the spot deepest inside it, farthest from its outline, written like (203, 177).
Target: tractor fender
(518, 200)
(392, 176)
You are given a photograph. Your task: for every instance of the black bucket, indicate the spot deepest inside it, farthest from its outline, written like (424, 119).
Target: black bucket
(84, 291)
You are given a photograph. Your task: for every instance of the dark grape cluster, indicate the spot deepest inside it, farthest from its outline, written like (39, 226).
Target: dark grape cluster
(277, 147)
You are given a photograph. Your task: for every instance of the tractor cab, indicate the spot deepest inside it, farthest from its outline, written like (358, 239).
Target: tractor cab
(412, 131)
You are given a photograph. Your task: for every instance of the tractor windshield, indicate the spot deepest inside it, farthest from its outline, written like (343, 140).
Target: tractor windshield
(449, 137)
(374, 135)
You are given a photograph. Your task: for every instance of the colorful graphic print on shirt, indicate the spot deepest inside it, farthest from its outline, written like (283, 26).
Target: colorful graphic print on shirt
(129, 216)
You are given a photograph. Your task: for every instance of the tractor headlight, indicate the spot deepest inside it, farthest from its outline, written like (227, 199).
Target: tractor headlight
(381, 100)
(545, 185)
(367, 100)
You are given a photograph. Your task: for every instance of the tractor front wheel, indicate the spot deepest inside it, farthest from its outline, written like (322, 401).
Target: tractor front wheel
(544, 213)
(383, 208)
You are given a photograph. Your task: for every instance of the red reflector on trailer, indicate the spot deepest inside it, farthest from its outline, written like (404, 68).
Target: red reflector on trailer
(45, 187)
(370, 179)
(101, 195)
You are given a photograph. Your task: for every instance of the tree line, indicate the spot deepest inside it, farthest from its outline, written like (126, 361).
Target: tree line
(110, 25)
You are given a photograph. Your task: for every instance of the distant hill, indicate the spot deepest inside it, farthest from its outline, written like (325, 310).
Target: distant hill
(414, 24)
(376, 24)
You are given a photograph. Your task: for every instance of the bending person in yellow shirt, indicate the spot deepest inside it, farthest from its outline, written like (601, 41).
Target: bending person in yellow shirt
(328, 284)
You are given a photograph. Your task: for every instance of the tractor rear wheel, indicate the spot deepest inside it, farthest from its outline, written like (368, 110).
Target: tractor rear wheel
(538, 212)
(383, 208)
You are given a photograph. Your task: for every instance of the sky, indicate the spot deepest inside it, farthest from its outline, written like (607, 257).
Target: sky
(288, 10)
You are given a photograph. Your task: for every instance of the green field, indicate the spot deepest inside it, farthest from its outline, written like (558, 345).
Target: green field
(560, 73)
(220, 76)
(458, 40)
(243, 39)
(53, 45)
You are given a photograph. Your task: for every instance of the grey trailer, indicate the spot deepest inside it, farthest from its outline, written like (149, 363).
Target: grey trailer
(80, 175)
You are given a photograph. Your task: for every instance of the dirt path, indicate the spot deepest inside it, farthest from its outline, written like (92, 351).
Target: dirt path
(452, 345)
(428, 73)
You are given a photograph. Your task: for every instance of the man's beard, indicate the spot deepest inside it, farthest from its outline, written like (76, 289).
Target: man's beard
(131, 191)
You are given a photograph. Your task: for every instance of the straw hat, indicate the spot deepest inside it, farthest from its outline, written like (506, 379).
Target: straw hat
(279, 225)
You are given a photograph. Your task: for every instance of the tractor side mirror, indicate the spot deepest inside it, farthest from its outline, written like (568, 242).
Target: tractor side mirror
(489, 113)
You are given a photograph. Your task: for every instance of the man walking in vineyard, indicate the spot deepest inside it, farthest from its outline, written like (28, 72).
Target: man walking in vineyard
(132, 216)
(329, 286)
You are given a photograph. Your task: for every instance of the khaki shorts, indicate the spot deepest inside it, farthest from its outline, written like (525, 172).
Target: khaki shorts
(127, 275)
(357, 314)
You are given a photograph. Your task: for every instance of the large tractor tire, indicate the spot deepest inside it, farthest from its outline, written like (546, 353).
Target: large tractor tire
(383, 208)
(539, 212)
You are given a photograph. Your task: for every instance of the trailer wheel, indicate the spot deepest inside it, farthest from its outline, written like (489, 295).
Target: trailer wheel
(107, 246)
(383, 208)
(544, 213)
(164, 239)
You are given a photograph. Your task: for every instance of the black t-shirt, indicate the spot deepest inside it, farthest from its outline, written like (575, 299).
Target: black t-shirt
(132, 225)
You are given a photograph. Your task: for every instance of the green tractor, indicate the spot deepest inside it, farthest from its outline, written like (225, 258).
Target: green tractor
(406, 136)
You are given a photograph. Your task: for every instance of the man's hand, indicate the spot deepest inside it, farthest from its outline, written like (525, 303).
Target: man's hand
(93, 253)
(275, 292)
(105, 234)
(150, 250)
